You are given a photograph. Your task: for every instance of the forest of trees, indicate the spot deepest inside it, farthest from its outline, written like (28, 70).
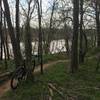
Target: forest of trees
(77, 22)
(65, 22)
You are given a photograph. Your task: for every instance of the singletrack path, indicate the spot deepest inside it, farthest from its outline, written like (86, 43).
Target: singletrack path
(6, 86)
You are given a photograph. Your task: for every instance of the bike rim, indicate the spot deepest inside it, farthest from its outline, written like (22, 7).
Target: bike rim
(15, 83)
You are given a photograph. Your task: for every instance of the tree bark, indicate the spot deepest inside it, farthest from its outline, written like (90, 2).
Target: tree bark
(28, 47)
(17, 24)
(74, 56)
(1, 47)
(49, 37)
(40, 49)
(81, 58)
(97, 10)
(15, 45)
(6, 38)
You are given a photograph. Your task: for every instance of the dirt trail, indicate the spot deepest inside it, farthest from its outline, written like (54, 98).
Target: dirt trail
(6, 86)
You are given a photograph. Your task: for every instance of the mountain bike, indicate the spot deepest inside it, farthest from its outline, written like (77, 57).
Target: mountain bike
(19, 75)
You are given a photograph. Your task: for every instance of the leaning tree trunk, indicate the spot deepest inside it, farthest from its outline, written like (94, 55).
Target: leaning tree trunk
(15, 45)
(74, 57)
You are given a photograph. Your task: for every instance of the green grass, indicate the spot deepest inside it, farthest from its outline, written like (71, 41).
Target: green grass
(93, 51)
(9, 67)
(81, 84)
(54, 57)
(46, 58)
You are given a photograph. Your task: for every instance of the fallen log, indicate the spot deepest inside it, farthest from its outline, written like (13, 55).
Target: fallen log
(4, 76)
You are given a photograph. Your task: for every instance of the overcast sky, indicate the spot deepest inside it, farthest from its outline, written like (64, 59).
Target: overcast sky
(45, 5)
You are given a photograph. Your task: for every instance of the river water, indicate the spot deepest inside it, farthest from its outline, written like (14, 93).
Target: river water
(56, 46)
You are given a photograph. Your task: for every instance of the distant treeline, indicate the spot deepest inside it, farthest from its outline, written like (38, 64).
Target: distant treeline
(56, 33)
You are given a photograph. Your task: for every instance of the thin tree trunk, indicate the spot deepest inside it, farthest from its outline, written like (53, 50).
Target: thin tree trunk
(74, 57)
(6, 38)
(5, 54)
(4, 42)
(97, 5)
(49, 38)
(1, 48)
(40, 50)
(66, 40)
(17, 24)
(81, 58)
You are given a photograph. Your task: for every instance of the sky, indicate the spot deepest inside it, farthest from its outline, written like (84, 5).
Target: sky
(34, 22)
(45, 4)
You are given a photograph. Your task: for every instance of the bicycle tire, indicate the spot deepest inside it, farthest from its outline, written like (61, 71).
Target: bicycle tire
(18, 75)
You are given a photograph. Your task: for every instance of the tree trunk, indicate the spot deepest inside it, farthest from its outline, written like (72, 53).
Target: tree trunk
(15, 45)
(66, 39)
(17, 24)
(49, 37)
(6, 38)
(28, 49)
(97, 8)
(40, 50)
(5, 54)
(81, 58)
(28, 46)
(74, 56)
(1, 48)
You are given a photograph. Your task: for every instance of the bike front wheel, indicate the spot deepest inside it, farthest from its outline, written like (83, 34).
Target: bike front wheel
(16, 78)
